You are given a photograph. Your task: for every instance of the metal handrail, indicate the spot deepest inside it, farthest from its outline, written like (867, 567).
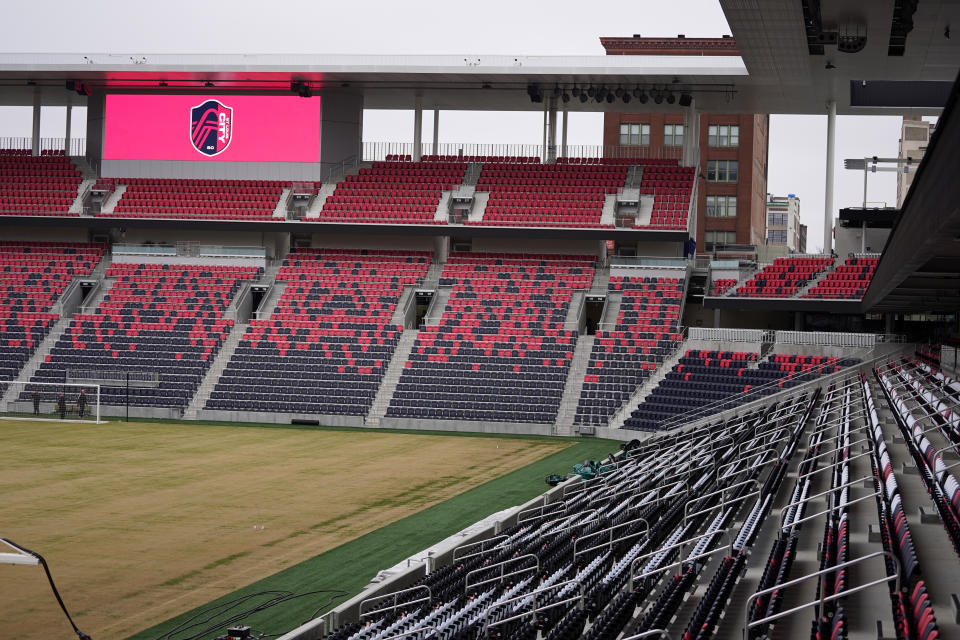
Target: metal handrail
(532, 597)
(481, 544)
(747, 625)
(610, 530)
(797, 503)
(680, 545)
(395, 595)
(502, 565)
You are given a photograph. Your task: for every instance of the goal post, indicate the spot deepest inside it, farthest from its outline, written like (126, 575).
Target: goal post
(52, 401)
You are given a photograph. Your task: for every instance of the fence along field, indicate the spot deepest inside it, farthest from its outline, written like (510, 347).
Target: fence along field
(142, 521)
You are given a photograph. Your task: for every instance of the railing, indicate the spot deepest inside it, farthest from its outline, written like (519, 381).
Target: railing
(340, 168)
(727, 335)
(373, 151)
(644, 261)
(78, 146)
(208, 251)
(827, 338)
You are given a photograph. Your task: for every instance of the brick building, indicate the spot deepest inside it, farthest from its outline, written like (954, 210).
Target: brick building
(731, 205)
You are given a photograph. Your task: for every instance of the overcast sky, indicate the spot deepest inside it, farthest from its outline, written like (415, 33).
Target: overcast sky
(797, 143)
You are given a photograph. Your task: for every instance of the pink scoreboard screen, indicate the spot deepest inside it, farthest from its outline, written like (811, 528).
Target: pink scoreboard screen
(211, 128)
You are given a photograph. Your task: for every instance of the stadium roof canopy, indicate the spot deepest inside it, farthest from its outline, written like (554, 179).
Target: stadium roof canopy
(780, 68)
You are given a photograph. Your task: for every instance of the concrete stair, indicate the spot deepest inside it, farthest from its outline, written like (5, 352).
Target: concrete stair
(601, 277)
(439, 303)
(326, 190)
(432, 279)
(480, 199)
(213, 374)
(610, 310)
(472, 175)
(280, 211)
(815, 280)
(31, 366)
(563, 425)
(77, 205)
(577, 300)
(634, 177)
(442, 214)
(608, 214)
(85, 169)
(391, 378)
(111, 202)
(645, 210)
(398, 316)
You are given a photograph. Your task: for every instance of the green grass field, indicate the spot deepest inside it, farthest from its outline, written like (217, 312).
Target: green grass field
(141, 521)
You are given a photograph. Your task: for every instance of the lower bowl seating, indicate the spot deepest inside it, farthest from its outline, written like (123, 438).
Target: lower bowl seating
(165, 319)
(325, 348)
(500, 352)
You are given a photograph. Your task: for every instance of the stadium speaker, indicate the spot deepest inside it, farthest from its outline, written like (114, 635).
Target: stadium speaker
(610, 98)
(618, 92)
(591, 92)
(534, 92)
(565, 97)
(575, 91)
(643, 97)
(658, 97)
(685, 99)
(671, 98)
(583, 97)
(626, 97)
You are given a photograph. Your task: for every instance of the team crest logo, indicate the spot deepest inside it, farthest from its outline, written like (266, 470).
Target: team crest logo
(211, 127)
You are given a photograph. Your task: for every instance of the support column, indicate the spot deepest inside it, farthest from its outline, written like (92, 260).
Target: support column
(828, 191)
(563, 135)
(417, 128)
(691, 135)
(552, 131)
(888, 323)
(436, 132)
(543, 144)
(66, 134)
(35, 141)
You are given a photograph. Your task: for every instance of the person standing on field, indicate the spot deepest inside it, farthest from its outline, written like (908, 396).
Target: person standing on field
(36, 402)
(62, 406)
(82, 402)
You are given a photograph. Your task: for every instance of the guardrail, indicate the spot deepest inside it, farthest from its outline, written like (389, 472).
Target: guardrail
(727, 335)
(647, 261)
(78, 146)
(379, 150)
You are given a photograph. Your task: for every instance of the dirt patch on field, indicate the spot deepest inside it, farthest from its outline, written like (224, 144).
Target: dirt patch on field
(140, 522)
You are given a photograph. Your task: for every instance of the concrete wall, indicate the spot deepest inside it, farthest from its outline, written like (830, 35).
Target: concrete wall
(467, 426)
(222, 170)
(341, 127)
(276, 243)
(46, 234)
(278, 418)
(848, 240)
(96, 114)
(530, 245)
(187, 260)
(398, 242)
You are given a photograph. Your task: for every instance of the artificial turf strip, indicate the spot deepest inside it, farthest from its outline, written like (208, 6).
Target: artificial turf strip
(351, 565)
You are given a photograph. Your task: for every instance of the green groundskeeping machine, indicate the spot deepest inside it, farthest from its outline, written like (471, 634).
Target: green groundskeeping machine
(589, 469)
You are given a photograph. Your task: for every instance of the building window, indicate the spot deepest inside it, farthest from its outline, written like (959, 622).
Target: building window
(776, 219)
(723, 135)
(778, 236)
(721, 206)
(673, 135)
(635, 134)
(722, 170)
(712, 238)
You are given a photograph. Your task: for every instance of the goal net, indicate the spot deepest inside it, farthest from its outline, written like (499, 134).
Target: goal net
(51, 400)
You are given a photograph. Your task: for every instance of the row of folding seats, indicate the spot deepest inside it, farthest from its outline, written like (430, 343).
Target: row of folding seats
(784, 277)
(499, 351)
(912, 610)
(161, 318)
(713, 381)
(44, 185)
(183, 198)
(620, 364)
(720, 285)
(33, 275)
(848, 281)
(324, 349)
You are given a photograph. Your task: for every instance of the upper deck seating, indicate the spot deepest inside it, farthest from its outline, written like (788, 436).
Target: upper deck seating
(392, 192)
(783, 278)
(44, 185)
(204, 199)
(848, 281)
